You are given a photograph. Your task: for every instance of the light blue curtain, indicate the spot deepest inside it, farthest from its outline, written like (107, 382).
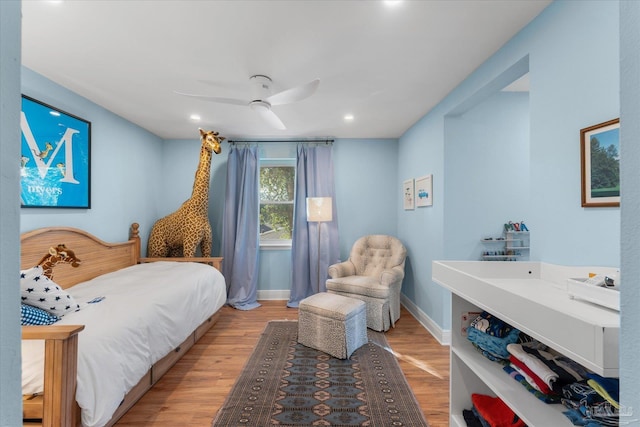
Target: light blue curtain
(314, 178)
(240, 239)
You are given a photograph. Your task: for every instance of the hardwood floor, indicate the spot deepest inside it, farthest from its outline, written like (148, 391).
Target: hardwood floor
(193, 390)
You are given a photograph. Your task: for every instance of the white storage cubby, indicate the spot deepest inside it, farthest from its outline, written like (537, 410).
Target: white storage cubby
(532, 297)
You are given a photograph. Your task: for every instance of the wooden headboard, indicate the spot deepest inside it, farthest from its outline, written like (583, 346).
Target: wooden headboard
(98, 257)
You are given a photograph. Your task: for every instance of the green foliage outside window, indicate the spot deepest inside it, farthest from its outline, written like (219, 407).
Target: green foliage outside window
(277, 185)
(605, 169)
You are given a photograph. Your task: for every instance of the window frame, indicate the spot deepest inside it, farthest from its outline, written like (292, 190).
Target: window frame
(275, 244)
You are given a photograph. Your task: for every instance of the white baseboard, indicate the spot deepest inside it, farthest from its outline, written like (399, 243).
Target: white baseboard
(441, 335)
(279, 294)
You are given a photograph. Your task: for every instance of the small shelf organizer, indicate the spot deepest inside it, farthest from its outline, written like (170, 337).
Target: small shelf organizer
(511, 246)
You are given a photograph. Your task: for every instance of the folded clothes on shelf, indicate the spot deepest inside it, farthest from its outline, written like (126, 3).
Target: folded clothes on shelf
(518, 376)
(491, 336)
(586, 407)
(546, 366)
(608, 388)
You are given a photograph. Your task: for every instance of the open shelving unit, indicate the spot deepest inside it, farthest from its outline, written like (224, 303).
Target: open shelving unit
(532, 297)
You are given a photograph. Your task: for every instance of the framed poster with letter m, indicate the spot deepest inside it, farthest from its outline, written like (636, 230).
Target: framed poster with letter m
(55, 157)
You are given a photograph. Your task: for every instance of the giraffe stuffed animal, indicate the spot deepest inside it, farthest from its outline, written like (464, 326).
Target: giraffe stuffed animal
(58, 255)
(180, 233)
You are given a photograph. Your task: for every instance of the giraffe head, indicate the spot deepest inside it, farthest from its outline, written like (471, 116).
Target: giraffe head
(58, 255)
(211, 141)
(61, 255)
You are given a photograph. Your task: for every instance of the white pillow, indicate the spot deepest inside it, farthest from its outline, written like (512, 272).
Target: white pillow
(38, 290)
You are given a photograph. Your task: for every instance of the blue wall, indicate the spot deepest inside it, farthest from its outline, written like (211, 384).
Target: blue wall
(366, 188)
(570, 89)
(630, 181)
(575, 83)
(125, 172)
(10, 386)
(486, 173)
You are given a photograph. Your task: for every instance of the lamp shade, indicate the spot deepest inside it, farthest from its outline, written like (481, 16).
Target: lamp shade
(319, 209)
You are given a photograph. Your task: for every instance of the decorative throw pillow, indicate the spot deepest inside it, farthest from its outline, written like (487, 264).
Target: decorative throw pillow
(37, 316)
(38, 290)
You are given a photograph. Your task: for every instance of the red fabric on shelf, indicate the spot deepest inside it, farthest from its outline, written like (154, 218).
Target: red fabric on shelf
(495, 412)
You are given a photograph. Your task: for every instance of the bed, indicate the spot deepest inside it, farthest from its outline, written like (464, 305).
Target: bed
(136, 318)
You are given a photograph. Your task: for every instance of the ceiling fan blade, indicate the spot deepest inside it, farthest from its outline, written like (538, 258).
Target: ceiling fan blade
(264, 110)
(214, 98)
(294, 94)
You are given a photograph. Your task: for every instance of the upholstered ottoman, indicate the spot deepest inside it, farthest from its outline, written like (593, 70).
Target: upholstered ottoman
(332, 323)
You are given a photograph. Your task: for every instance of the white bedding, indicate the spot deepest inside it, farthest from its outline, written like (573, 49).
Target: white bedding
(147, 310)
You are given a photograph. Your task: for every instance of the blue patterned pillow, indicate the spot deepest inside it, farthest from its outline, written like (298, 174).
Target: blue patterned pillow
(37, 316)
(38, 290)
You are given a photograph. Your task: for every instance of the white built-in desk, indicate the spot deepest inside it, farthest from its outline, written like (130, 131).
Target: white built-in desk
(532, 297)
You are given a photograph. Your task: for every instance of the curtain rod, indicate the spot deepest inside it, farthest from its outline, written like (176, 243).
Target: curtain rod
(306, 141)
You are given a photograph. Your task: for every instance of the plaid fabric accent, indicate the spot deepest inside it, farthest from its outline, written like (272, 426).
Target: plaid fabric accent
(36, 316)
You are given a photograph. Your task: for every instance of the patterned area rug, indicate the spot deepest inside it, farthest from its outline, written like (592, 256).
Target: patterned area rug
(287, 384)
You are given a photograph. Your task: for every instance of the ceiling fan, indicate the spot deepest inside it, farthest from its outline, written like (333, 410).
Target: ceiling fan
(263, 99)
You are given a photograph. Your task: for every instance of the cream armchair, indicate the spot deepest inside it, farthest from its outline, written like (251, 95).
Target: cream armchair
(373, 273)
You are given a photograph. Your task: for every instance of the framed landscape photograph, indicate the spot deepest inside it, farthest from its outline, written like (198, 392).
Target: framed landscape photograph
(407, 194)
(55, 157)
(600, 164)
(424, 191)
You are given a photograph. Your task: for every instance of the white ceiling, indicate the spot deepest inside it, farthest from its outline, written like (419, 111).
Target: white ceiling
(388, 66)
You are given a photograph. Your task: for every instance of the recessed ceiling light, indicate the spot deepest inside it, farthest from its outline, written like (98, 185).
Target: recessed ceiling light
(348, 117)
(195, 117)
(392, 3)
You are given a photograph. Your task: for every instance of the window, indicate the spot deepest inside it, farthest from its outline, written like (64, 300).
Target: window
(277, 184)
